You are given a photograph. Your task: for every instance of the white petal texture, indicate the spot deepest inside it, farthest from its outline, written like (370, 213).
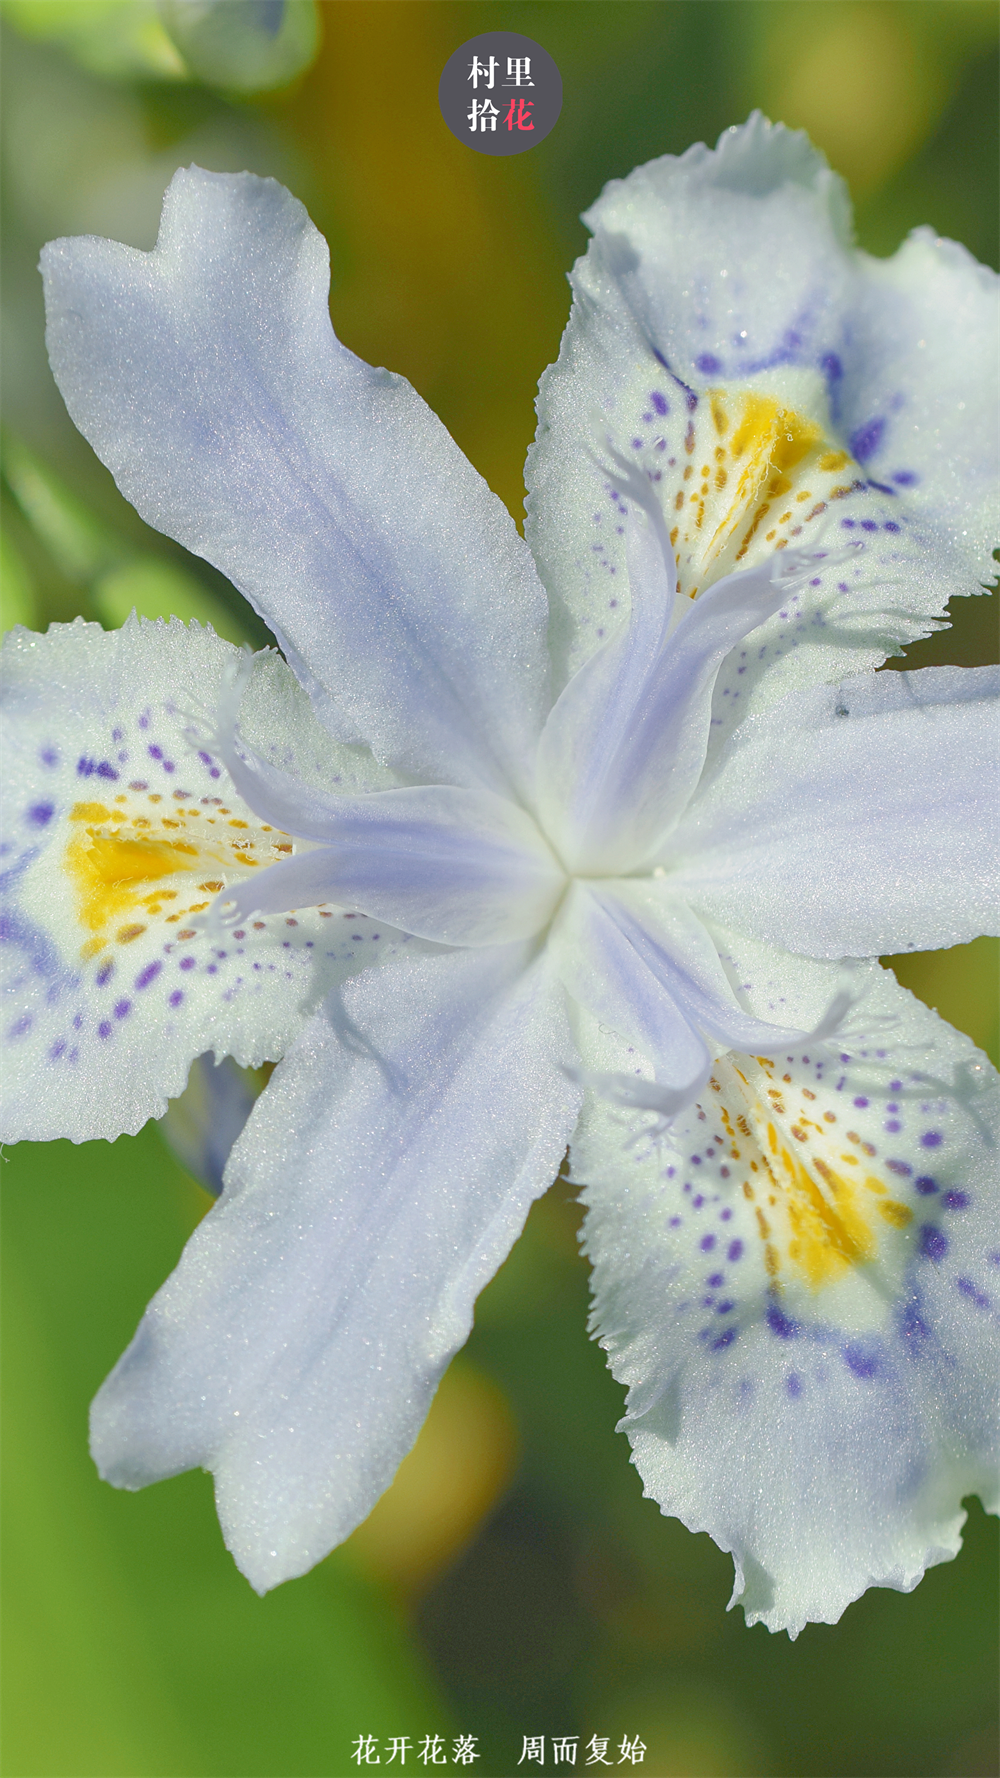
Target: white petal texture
(378, 1185)
(655, 868)
(629, 991)
(327, 491)
(801, 1286)
(463, 867)
(854, 820)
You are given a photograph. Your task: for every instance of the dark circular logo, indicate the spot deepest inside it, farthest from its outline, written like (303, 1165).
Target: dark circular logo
(500, 93)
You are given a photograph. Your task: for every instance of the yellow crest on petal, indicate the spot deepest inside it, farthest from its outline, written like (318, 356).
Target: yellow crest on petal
(147, 858)
(755, 472)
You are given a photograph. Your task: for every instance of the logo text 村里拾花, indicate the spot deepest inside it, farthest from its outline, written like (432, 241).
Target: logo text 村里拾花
(500, 93)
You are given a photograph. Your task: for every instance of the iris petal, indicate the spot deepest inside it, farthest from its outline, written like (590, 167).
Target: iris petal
(462, 867)
(624, 746)
(207, 376)
(120, 831)
(379, 1183)
(797, 1285)
(855, 820)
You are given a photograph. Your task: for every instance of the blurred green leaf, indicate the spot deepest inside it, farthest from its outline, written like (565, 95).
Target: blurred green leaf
(18, 604)
(122, 39)
(60, 1580)
(160, 589)
(96, 558)
(80, 544)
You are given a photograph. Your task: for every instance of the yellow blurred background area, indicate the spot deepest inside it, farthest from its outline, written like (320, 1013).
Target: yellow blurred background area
(513, 1580)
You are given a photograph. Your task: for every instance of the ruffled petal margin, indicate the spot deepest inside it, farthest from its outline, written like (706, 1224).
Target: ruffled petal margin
(801, 1287)
(774, 387)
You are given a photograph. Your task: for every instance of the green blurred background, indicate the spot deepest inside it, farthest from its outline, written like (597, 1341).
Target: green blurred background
(513, 1582)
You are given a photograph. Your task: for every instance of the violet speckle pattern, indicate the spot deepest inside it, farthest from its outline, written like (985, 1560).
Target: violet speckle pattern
(138, 832)
(841, 1248)
(769, 413)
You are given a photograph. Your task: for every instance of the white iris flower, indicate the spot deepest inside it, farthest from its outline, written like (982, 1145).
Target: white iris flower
(526, 850)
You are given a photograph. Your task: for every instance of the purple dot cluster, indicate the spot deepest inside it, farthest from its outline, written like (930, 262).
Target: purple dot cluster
(883, 1109)
(115, 1002)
